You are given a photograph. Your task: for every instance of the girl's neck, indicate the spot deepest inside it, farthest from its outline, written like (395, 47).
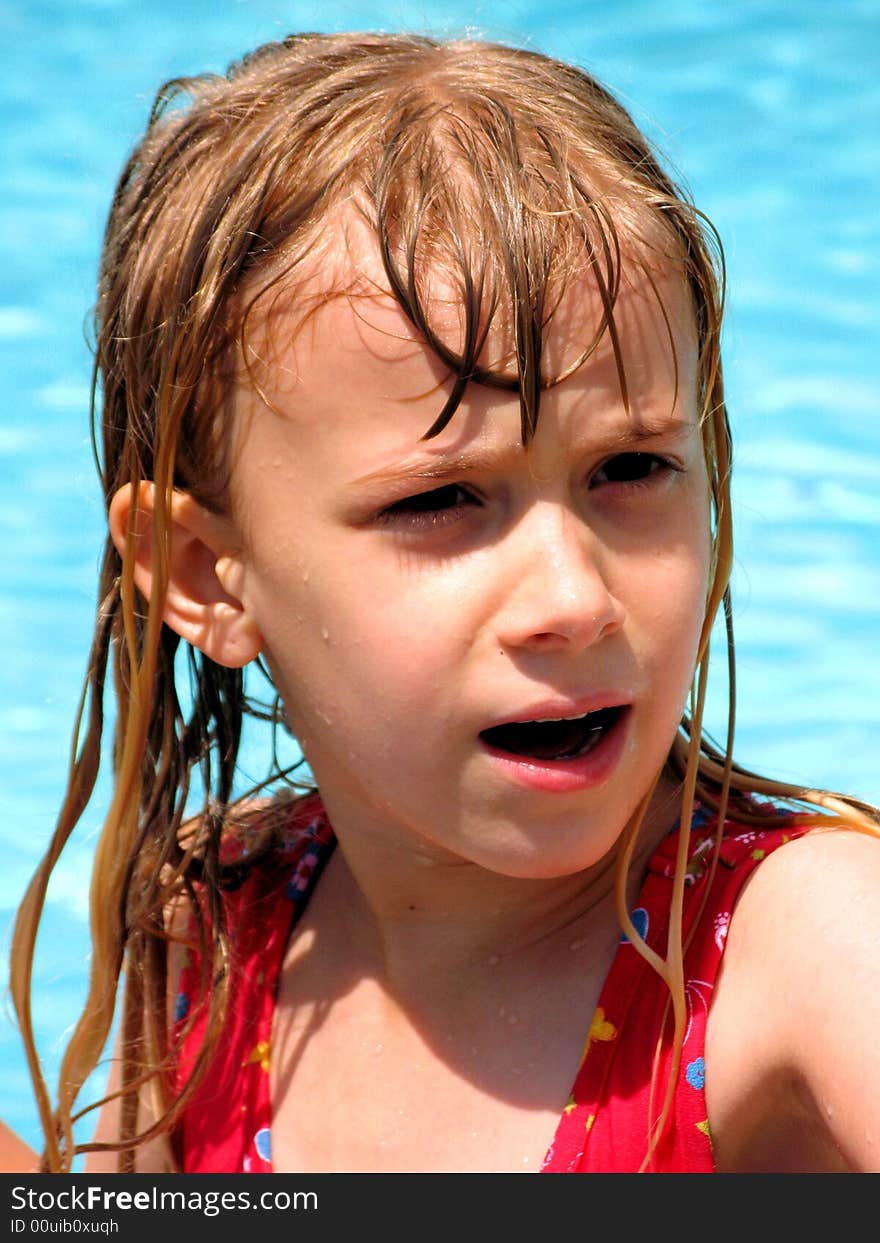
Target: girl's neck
(402, 909)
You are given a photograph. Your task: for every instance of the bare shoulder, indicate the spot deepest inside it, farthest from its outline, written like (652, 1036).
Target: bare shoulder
(16, 1157)
(792, 1077)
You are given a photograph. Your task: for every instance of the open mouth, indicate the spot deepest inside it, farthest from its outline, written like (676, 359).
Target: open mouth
(553, 739)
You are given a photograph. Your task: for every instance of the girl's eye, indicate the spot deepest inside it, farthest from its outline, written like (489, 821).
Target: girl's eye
(630, 468)
(424, 510)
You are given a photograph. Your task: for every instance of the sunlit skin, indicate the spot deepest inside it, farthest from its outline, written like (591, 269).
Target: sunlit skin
(413, 593)
(408, 595)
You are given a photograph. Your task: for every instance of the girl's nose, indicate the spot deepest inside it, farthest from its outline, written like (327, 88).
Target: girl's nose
(562, 598)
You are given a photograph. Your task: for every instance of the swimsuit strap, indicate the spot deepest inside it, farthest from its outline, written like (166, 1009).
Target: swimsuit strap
(227, 1126)
(605, 1125)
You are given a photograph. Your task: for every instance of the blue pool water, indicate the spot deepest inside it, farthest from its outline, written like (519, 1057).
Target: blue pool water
(771, 111)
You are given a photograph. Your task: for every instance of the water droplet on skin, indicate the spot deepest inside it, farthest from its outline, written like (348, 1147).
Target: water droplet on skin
(513, 1019)
(494, 960)
(378, 1048)
(578, 944)
(305, 575)
(501, 1012)
(325, 634)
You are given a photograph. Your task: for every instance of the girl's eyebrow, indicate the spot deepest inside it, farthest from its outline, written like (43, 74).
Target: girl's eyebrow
(488, 459)
(442, 467)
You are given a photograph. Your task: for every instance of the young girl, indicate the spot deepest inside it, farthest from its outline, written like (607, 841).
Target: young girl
(410, 393)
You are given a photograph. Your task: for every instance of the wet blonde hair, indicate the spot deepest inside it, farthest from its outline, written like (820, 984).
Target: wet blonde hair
(513, 175)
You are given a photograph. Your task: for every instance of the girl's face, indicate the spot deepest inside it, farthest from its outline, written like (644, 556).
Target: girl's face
(484, 650)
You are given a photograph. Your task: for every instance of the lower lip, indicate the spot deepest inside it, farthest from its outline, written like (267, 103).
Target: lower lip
(564, 776)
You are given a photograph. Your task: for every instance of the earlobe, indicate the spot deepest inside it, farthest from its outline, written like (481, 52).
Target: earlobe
(204, 601)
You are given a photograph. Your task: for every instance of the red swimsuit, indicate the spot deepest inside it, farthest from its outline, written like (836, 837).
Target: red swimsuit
(604, 1125)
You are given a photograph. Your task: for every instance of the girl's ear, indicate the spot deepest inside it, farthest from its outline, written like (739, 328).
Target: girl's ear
(203, 602)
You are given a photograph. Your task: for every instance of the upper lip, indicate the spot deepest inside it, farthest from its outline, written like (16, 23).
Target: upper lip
(562, 709)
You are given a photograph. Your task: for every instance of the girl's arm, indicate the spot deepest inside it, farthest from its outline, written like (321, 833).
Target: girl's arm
(792, 1072)
(150, 1158)
(16, 1157)
(156, 1156)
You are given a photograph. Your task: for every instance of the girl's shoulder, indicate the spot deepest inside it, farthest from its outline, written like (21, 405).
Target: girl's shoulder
(815, 902)
(793, 1076)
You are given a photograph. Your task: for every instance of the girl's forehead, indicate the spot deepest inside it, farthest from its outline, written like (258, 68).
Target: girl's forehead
(339, 389)
(346, 399)
(341, 314)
